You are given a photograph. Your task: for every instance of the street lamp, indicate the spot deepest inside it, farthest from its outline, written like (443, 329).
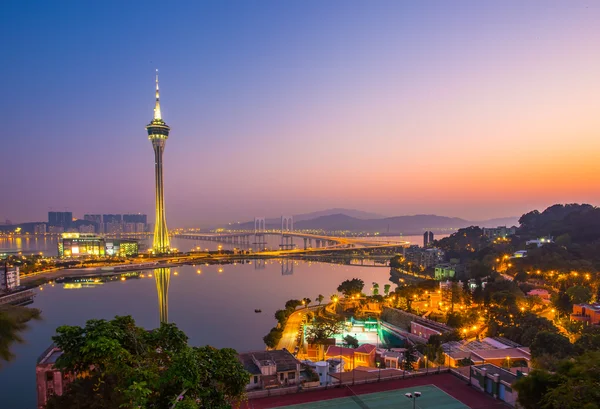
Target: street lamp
(414, 397)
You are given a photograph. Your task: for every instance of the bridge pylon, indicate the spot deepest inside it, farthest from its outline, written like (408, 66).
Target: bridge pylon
(260, 228)
(287, 228)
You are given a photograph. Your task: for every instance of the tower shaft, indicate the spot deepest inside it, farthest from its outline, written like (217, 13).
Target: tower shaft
(161, 243)
(162, 276)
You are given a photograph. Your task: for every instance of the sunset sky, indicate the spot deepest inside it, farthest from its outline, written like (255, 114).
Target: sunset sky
(475, 109)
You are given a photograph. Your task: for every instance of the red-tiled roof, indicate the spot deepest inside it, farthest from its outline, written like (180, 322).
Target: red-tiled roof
(366, 348)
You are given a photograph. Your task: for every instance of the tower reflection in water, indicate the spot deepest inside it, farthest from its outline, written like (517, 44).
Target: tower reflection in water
(162, 277)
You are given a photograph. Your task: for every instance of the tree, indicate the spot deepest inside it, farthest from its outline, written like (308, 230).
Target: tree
(306, 301)
(386, 289)
(577, 384)
(375, 288)
(322, 330)
(292, 304)
(273, 337)
(410, 358)
(548, 343)
(351, 341)
(281, 316)
(13, 321)
(320, 298)
(579, 294)
(121, 365)
(562, 302)
(351, 287)
(532, 388)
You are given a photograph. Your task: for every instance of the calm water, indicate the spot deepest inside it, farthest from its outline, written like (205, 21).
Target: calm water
(212, 307)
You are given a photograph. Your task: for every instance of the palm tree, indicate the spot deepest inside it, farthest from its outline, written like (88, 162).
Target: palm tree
(320, 298)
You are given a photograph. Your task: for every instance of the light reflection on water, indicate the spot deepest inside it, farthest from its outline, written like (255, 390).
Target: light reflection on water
(213, 304)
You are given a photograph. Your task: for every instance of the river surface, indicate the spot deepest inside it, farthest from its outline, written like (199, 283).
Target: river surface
(213, 304)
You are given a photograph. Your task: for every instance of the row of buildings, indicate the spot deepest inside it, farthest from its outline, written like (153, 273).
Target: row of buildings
(63, 222)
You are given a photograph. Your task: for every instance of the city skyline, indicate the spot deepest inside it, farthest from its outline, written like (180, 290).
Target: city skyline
(465, 109)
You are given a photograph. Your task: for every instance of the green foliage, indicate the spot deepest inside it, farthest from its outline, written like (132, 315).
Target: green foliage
(410, 358)
(551, 344)
(306, 301)
(532, 388)
(386, 289)
(351, 341)
(351, 287)
(122, 365)
(13, 321)
(320, 298)
(292, 304)
(454, 319)
(375, 288)
(562, 302)
(519, 327)
(579, 294)
(273, 337)
(281, 316)
(574, 385)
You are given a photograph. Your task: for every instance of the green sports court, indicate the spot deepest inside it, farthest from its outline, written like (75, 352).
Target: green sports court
(431, 397)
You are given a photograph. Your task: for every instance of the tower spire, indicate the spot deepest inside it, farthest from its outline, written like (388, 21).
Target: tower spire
(157, 114)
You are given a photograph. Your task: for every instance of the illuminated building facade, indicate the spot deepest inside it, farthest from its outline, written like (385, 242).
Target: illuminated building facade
(72, 245)
(158, 133)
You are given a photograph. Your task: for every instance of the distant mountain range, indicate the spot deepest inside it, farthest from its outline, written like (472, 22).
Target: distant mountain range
(359, 221)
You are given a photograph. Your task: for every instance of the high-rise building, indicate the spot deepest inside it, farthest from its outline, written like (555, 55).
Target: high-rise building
(60, 219)
(96, 218)
(158, 133)
(428, 239)
(112, 218)
(135, 218)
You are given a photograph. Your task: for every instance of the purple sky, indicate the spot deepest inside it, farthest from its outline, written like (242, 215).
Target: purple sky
(475, 109)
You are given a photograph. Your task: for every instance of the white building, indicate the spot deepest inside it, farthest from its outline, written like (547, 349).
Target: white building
(541, 241)
(9, 278)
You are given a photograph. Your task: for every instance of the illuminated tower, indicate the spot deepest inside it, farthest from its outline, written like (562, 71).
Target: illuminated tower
(158, 133)
(162, 277)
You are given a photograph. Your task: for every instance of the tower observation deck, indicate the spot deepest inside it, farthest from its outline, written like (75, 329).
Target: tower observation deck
(158, 133)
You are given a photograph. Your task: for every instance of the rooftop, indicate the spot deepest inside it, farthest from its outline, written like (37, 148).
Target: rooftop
(282, 358)
(503, 374)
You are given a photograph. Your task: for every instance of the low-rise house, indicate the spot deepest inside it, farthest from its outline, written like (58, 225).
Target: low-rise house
(393, 359)
(425, 328)
(495, 381)
(270, 369)
(496, 351)
(364, 355)
(587, 313)
(539, 292)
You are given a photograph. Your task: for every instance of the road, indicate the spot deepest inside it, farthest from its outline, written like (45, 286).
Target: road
(290, 332)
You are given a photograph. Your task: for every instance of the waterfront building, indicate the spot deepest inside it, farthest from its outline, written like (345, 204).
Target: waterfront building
(500, 231)
(423, 258)
(39, 228)
(10, 278)
(140, 227)
(129, 227)
(587, 313)
(72, 245)
(158, 133)
(56, 229)
(270, 369)
(96, 218)
(60, 219)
